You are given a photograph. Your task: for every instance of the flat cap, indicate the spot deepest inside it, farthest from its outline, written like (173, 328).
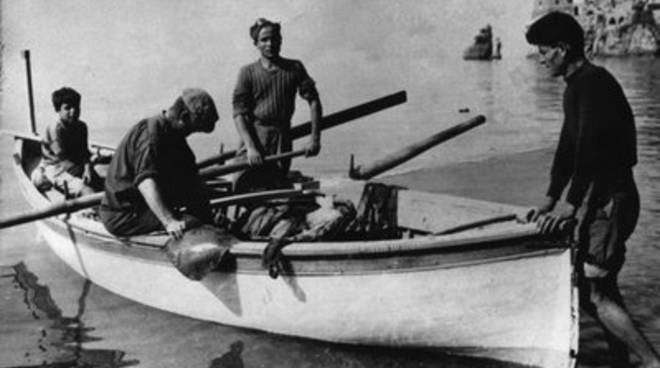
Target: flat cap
(200, 103)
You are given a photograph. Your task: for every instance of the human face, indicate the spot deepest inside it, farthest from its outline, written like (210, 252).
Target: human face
(202, 122)
(553, 58)
(206, 125)
(269, 42)
(69, 113)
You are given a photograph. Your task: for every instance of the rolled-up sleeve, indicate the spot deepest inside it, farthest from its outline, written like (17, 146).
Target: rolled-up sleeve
(307, 86)
(145, 160)
(242, 99)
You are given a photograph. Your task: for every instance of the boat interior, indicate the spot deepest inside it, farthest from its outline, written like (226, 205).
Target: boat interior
(403, 213)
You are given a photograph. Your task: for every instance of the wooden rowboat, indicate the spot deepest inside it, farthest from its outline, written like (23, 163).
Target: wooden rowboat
(499, 290)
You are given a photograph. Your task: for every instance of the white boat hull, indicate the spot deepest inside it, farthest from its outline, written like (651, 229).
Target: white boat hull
(500, 291)
(514, 309)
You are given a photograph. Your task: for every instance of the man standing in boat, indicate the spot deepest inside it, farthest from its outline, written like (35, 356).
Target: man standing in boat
(263, 104)
(596, 153)
(153, 174)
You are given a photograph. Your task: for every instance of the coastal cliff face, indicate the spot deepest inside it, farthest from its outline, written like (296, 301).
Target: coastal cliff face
(612, 27)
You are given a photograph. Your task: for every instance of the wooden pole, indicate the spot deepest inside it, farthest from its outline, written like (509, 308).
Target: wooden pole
(28, 69)
(327, 122)
(36, 138)
(91, 200)
(394, 159)
(258, 196)
(227, 169)
(67, 206)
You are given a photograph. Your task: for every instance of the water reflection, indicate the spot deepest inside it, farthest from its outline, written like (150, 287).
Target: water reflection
(59, 342)
(231, 359)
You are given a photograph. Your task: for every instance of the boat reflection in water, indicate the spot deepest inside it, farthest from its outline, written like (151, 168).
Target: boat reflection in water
(55, 340)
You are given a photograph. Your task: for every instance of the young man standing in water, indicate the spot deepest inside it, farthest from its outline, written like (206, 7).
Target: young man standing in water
(264, 102)
(596, 153)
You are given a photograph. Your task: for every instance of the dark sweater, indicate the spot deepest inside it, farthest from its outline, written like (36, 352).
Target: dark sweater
(597, 145)
(151, 149)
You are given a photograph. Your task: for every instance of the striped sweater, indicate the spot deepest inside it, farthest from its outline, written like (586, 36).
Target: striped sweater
(269, 95)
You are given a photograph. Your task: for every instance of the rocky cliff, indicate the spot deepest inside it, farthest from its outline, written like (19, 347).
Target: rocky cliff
(620, 28)
(612, 27)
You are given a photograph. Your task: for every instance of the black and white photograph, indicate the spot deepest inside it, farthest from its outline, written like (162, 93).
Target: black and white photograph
(317, 183)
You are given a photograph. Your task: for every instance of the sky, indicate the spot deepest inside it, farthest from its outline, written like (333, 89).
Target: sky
(131, 58)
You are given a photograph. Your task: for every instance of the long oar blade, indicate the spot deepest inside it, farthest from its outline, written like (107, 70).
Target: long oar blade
(394, 159)
(327, 122)
(352, 113)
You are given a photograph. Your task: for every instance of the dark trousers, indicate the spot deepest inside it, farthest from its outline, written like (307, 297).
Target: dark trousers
(129, 222)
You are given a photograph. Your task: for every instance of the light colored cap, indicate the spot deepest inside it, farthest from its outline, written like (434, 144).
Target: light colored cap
(200, 104)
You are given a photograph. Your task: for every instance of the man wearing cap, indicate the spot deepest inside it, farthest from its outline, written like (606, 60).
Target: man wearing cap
(153, 174)
(264, 102)
(596, 154)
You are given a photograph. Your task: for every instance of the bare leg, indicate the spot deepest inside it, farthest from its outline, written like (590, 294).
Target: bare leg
(618, 349)
(618, 324)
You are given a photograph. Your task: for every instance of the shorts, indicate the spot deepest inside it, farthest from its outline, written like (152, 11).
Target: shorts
(46, 176)
(603, 233)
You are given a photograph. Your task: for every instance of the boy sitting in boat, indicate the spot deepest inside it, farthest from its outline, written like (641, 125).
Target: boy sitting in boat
(66, 162)
(153, 174)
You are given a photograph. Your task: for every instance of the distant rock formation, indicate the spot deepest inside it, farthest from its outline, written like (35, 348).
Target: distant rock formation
(482, 48)
(612, 27)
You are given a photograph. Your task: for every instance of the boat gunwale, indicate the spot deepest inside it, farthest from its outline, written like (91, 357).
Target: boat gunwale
(249, 248)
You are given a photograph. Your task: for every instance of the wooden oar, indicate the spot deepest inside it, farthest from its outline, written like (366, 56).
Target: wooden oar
(91, 200)
(227, 169)
(379, 166)
(259, 196)
(36, 138)
(479, 223)
(328, 121)
(67, 206)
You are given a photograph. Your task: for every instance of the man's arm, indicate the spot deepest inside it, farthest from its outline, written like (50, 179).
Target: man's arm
(316, 111)
(307, 90)
(592, 119)
(244, 131)
(149, 190)
(243, 106)
(53, 141)
(560, 175)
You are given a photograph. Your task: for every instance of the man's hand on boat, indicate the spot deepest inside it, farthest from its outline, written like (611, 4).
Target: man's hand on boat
(549, 222)
(544, 208)
(175, 228)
